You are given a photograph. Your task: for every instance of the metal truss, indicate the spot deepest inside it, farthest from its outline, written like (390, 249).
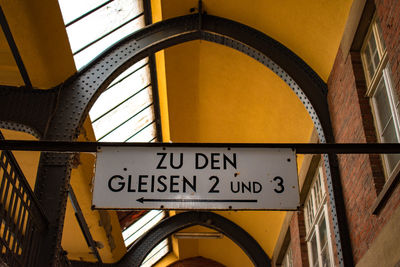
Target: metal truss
(70, 103)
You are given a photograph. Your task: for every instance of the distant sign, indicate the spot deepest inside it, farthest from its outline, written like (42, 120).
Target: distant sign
(212, 178)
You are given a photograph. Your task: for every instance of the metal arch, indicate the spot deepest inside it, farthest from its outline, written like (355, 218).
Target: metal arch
(80, 92)
(86, 86)
(165, 228)
(25, 109)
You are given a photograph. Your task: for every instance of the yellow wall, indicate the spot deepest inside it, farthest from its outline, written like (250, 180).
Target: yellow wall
(27, 160)
(217, 94)
(312, 29)
(162, 92)
(39, 33)
(105, 229)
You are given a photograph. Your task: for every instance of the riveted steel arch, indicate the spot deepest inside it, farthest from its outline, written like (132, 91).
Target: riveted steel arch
(78, 94)
(167, 227)
(88, 84)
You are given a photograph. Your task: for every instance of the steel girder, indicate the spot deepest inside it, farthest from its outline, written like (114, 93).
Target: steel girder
(173, 224)
(77, 95)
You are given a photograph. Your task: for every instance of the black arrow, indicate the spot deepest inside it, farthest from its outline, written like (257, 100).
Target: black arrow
(142, 200)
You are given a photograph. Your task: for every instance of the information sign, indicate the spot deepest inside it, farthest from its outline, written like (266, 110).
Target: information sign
(211, 178)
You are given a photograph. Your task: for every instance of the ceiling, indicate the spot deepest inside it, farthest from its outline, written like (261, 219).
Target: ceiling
(209, 93)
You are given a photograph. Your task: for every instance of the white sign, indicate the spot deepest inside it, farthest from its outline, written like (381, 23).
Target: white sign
(238, 178)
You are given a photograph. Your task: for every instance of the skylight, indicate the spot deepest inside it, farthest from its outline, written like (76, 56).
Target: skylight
(125, 111)
(106, 23)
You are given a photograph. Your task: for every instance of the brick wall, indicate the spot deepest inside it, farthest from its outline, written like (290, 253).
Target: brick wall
(389, 15)
(298, 240)
(362, 175)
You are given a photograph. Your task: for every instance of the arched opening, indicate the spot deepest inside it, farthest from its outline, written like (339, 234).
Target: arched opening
(173, 224)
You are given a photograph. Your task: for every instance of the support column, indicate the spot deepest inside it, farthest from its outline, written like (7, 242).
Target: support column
(52, 192)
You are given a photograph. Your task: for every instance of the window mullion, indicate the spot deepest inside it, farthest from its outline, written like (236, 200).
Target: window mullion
(392, 101)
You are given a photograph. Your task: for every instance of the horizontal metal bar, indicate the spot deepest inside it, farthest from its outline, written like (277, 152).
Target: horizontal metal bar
(125, 100)
(131, 117)
(88, 13)
(127, 76)
(301, 148)
(107, 34)
(141, 130)
(82, 223)
(14, 49)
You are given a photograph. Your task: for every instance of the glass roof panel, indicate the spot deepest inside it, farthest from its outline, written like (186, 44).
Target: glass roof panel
(131, 127)
(130, 71)
(102, 21)
(72, 9)
(141, 226)
(124, 112)
(156, 254)
(133, 107)
(85, 56)
(121, 91)
(147, 135)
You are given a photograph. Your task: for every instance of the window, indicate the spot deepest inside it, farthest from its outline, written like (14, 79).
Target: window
(384, 102)
(124, 112)
(288, 258)
(140, 227)
(317, 224)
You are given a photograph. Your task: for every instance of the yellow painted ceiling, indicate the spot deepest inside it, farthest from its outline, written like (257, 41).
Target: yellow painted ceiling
(312, 28)
(217, 94)
(39, 33)
(214, 93)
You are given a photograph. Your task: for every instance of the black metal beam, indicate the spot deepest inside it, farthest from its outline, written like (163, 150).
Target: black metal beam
(83, 225)
(78, 94)
(25, 109)
(300, 148)
(14, 49)
(142, 247)
(88, 13)
(153, 76)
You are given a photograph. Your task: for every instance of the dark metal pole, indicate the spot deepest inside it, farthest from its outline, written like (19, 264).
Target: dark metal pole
(14, 49)
(153, 75)
(300, 148)
(83, 225)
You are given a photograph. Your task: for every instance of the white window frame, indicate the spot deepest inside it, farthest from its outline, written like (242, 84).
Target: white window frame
(288, 258)
(382, 72)
(316, 209)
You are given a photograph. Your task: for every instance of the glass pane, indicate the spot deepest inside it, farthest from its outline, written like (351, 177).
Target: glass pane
(370, 67)
(308, 217)
(102, 21)
(310, 209)
(382, 105)
(87, 55)
(72, 9)
(128, 129)
(326, 262)
(379, 29)
(137, 67)
(287, 259)
(371, 56)
(134, 107)
(389, 135)
(314, 251)
(146, 135)
(323, 235)
(318, 190)
(156, 254)
(387, 74)
(392, 160)
(121, 91)
(141, 226)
